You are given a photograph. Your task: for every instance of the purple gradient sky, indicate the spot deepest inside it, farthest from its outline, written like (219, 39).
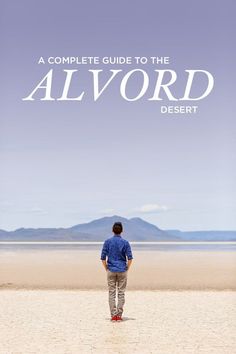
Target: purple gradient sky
(64, 163)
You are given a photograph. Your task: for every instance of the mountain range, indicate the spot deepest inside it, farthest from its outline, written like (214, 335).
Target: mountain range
(135, 229)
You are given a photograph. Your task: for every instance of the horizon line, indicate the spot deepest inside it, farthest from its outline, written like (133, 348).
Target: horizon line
(131, 242)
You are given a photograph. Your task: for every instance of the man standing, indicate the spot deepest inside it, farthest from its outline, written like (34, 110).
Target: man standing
(116, 257)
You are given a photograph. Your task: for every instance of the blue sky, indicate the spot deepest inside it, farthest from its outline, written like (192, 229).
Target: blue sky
(65, 163)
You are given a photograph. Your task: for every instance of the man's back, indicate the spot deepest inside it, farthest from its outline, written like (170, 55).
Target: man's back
(117, 250)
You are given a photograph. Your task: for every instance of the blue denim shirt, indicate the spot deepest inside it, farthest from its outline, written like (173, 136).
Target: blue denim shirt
(116, 249)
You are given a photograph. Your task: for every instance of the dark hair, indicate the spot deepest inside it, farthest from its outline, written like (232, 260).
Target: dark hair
(117, 228)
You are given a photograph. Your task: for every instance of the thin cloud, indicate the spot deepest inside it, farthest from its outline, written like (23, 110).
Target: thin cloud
(37, 210)
(16, 209)
(152, 208)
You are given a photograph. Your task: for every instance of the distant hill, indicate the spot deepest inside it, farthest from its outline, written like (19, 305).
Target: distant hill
(135, 229)
(204, 235)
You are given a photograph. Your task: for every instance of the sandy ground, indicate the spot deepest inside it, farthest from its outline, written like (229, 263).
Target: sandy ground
(77, 321)
(152, 270)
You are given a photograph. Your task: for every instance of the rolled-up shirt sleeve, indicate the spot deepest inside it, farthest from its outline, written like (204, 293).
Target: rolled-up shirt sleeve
(104, 251)
(128, 251)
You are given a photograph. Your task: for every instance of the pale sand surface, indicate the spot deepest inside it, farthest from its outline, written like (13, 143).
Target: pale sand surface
(79, 269)
(77, 321)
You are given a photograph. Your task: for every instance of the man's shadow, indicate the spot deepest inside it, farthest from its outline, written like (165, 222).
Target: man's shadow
(128, 319)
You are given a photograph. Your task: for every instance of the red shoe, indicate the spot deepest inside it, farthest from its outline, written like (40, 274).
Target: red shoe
(114, 318)
(119, 318)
